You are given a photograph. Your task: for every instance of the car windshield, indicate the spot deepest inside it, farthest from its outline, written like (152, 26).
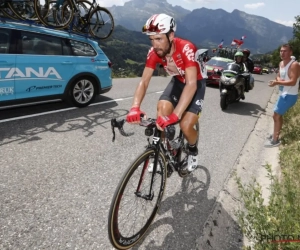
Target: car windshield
(218, 63)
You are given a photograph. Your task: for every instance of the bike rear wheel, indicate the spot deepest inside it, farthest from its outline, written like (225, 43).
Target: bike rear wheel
(131, 213)
(101, 23)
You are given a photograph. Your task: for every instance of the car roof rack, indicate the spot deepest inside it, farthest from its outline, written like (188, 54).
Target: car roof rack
(34, 23)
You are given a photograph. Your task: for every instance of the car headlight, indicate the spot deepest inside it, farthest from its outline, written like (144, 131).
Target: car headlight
(232, 80)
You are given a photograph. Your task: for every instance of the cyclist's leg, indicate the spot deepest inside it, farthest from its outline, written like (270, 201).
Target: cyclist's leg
(192, 114)
(188, 122)
(187, 125)
(169, 98)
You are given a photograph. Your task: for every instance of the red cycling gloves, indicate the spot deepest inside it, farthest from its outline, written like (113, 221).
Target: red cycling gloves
(164, 121)
(134, 115)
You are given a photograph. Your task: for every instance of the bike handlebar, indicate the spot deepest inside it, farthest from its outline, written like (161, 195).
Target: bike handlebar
(149, 123)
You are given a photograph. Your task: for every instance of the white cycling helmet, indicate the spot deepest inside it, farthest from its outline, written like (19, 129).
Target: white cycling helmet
(159, 24)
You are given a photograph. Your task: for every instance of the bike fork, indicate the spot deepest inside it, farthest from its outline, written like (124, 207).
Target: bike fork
(156, 144)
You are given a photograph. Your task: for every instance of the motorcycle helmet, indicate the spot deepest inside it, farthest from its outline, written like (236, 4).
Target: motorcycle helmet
(159, 24)
(246, 52)
(239, 53)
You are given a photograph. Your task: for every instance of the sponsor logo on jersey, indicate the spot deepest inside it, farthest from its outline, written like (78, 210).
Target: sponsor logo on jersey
(189, 52)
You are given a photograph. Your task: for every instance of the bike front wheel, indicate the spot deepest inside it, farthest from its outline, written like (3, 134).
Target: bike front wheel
(134, 207)
(101, 23)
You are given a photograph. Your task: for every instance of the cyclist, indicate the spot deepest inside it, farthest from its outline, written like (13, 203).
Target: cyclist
(183, 98)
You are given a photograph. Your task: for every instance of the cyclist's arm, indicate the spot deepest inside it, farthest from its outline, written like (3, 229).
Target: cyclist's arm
(188, 91)
(142, 87)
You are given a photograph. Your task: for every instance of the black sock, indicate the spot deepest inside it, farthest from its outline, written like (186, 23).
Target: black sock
(193, 149)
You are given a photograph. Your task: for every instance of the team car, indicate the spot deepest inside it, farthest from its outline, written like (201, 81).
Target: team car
(214, 66)
(257, 70)
(42, 63)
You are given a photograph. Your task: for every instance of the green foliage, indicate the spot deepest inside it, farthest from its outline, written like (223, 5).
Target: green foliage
(276, 57)
(279, 218)
(296, 28)
(125, 47)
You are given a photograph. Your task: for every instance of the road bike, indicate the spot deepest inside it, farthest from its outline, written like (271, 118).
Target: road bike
(79, 15)
(140, 190)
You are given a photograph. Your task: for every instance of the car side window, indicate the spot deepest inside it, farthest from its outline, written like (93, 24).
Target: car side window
(82, 49)
(38, 44)
(4, 41)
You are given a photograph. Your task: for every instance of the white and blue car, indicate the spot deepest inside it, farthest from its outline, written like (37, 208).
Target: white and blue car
(37, 63)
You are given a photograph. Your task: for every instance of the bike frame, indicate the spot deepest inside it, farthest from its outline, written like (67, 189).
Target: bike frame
(172, 160)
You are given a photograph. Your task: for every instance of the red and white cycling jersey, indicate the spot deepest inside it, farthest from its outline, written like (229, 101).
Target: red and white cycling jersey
(183, 57)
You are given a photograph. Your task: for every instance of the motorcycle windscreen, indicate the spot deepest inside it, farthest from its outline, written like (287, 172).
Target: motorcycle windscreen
(233, 68)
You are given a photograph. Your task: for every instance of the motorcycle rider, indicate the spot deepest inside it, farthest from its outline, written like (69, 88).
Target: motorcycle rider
(238, 59)
(250, 66)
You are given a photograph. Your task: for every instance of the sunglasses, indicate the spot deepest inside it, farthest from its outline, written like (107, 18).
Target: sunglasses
(151, 28)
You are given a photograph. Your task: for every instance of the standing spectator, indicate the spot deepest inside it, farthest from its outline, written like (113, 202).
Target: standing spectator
(287, 79)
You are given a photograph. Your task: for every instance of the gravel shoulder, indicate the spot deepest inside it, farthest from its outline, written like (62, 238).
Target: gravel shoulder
(221, 230)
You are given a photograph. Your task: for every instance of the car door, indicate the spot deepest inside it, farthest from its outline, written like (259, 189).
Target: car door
(7, 63)
(43, 69)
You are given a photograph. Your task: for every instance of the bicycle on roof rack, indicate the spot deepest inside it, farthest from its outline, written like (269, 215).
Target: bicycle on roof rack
(14, 9)
(140, 190)
(81, 16)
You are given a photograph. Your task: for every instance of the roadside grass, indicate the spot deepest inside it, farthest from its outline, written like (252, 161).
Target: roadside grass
(276, 225)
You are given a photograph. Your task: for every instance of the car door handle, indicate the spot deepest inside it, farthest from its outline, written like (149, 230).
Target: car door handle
(66, 63)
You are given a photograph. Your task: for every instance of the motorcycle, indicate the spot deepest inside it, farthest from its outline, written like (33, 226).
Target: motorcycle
(232, 85)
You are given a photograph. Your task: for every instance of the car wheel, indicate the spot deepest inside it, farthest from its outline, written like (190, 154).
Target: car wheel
(82, 92)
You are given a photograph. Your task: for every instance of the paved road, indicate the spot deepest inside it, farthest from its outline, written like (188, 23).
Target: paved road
(59, 170)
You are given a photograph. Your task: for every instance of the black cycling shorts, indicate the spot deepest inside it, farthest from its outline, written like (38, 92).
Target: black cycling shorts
(173, 92)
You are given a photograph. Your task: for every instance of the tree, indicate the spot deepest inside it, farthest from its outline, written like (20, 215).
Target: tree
(295, 42)
(296, 28)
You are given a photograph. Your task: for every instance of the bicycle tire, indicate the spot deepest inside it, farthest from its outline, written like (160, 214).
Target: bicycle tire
(125, 240)
(80, 24)
(7, 13)
(101, 23)
(27, 13)
(49, 14)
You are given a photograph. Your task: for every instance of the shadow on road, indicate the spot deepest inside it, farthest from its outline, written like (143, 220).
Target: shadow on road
(84, 119)
(244, 108)
(190, 209)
